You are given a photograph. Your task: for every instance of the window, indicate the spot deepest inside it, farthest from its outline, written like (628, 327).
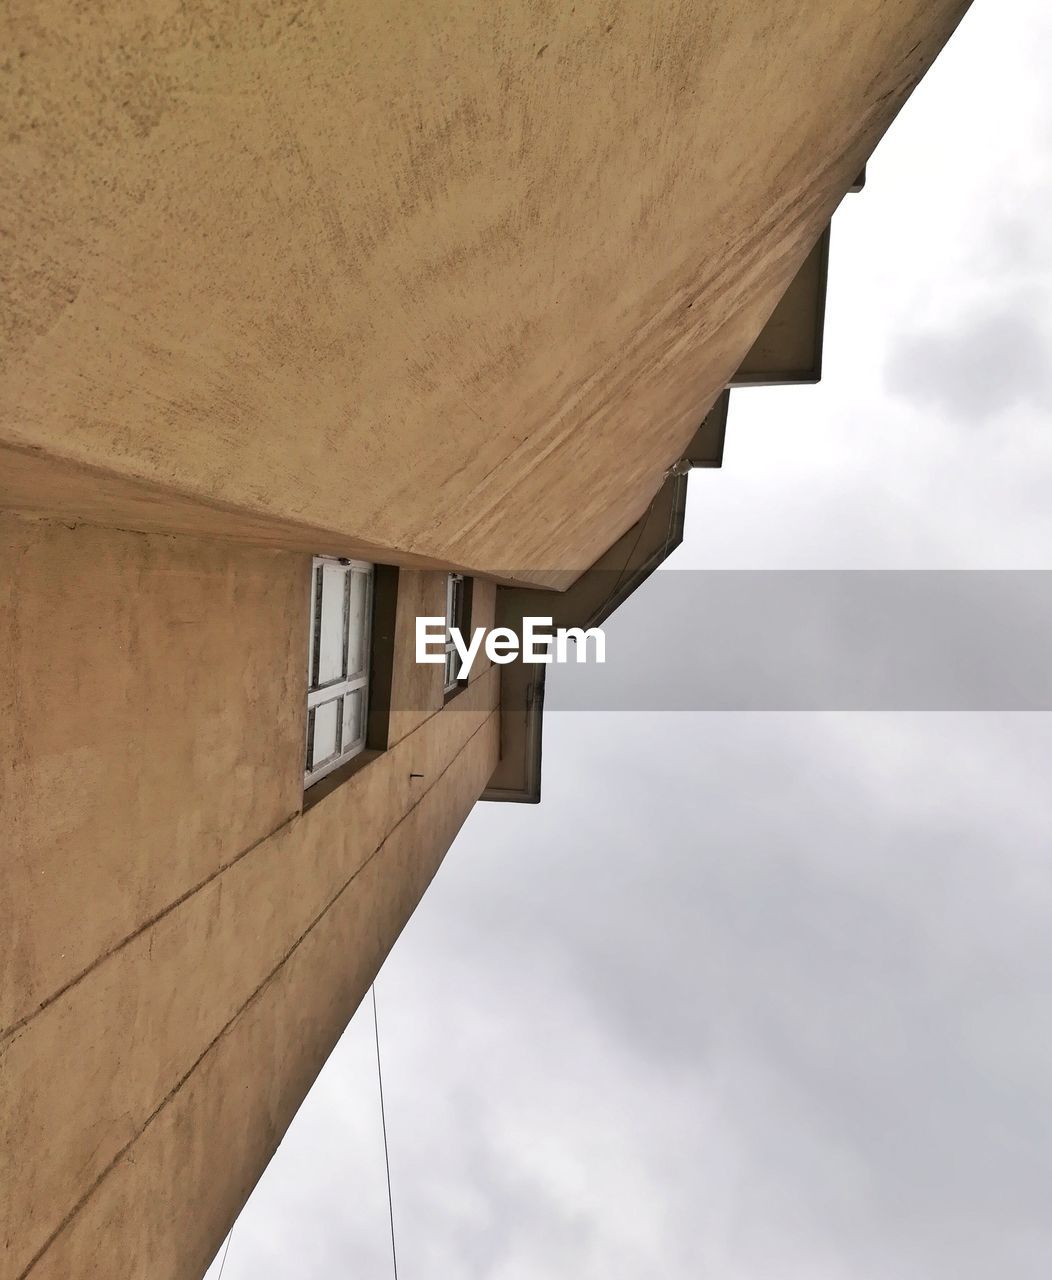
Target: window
(338, 668)
(458, 601)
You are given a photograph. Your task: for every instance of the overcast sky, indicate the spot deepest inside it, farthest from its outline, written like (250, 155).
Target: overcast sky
(761, 996)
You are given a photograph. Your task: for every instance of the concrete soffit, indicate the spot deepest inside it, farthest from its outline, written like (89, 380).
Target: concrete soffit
(596, 594)
(788, 350)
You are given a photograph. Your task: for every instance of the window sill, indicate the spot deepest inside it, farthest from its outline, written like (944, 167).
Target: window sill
(457, 689)
(327, 785)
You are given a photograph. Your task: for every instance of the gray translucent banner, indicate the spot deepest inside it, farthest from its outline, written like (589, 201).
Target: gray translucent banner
(810, 640)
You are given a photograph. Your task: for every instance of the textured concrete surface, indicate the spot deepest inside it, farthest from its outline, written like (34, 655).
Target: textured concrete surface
(151, 726)
(171, 909)
(166, 1202)
(460, 281)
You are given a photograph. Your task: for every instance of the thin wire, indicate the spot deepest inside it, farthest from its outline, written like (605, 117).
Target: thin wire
(383, 1121)
(644, 521)
(668, 532)
(222, 1265)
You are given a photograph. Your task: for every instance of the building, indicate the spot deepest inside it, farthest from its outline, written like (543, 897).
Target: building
(456, 292)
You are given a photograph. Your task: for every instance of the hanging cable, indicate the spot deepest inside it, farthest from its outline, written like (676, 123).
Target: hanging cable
(643, 522)
(222, 1265)
(669, 531)
(383, 1121)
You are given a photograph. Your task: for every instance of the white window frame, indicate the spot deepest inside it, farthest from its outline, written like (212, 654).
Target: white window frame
(348, 682)
(456, 595)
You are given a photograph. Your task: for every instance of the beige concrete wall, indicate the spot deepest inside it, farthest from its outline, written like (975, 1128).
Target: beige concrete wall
(183, 941)
(151, 723)
(459, 280)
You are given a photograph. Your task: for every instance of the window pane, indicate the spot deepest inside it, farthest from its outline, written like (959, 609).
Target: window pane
(358, 631)
(323, 733)
(454, 601)
(452, 667)
(353, 719)
(458, 602)
(330, 624)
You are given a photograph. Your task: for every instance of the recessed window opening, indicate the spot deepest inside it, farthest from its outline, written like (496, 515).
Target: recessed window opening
(338, 667)
(457, 591)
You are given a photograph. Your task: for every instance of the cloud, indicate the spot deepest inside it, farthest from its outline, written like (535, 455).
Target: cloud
(774, 1003)
(975, 370)
(817, 957)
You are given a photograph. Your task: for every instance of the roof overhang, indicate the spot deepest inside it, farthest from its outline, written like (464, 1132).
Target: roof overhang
(789, 348)
(593, 597)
